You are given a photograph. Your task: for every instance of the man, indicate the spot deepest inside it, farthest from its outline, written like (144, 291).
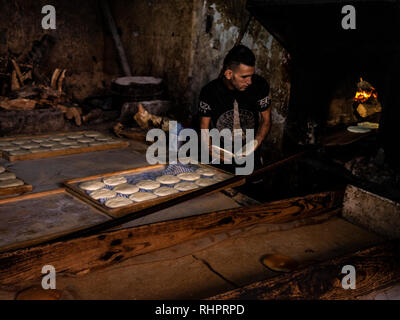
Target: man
(238, 87)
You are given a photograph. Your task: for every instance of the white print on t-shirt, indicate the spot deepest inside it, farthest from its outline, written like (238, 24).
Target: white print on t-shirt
(204, 107)
(265, 102)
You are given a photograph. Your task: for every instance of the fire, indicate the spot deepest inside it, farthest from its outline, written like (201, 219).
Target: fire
(363, 96)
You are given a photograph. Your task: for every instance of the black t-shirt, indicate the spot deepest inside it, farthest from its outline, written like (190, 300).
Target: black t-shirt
(217, 102)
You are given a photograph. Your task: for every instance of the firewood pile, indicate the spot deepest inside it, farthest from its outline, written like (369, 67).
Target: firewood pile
(24, 87)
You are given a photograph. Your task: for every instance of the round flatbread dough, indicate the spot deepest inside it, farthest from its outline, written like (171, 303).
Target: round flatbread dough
(220, 177)
(126, 189)
(9, 149)
(118, 202)
(39, 140)
(48, 144)
(68, 143)
(356, 129)
(165, 191)
(75, 136)
(95, 144)
(168, 179)
(30, 146)
(103, 138)
(7, 176)
(85, 140)
(148, 184)
(92, 185)
(21, 142)
(189, 176)
(114, 181)
(143, 196)
(19, 152)
(11, 183)
(60, 138)
(103, 194)
(39, 150)
(59, 147)
(5, 144)
(186, 186)
(76, 146)
(206, 172)
(2, 169)
(92, 134)
(204, 182)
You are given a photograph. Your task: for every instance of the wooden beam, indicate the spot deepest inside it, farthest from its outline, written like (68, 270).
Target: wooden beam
(88, 253)
(377, 268)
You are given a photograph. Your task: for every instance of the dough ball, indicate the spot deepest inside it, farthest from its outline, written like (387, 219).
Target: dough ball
(11, 183)
(9, 149)
(103, 194)
(85, 140)
(143, 196)
(48, 144)
(204, 182)
(92, 134)
(5, 144)
(126, 189)
(21, 142)
(30, 146)
(168, 179)
(2, 169)
(92, 185)
(206, 172)
(58, 139)
(75, 136)
(118, 202)
(186, 186)
(114, 181)
(7, 176)
(189, 176)
(165, 191)
(148, 184)
(19, 152)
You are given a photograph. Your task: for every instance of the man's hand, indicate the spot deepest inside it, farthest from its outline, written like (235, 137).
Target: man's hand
(265, 126)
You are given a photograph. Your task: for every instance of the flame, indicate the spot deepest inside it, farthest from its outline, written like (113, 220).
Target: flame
(363, 96)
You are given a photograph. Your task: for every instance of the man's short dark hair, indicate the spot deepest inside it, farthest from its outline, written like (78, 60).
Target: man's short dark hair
(237, 55)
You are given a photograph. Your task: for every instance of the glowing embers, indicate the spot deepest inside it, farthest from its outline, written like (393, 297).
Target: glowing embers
(367, 99)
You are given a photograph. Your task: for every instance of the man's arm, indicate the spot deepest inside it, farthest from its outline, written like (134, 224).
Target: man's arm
(265, 126)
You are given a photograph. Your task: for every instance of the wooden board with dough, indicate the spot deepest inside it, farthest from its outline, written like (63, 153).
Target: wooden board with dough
(34, 218)
(159, 186)
(54, 145)
(10, 184)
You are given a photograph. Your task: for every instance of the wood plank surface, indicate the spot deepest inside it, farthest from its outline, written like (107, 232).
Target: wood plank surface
(35, 218)
(16, 190)
(97, 251)
(377, 268)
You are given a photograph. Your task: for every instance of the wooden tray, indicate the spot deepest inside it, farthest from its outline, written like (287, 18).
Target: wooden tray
(55, 153)
(15, 190)
(31, 219)
(73, 187)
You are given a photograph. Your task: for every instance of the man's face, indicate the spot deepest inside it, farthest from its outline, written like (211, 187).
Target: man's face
(240, 77)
